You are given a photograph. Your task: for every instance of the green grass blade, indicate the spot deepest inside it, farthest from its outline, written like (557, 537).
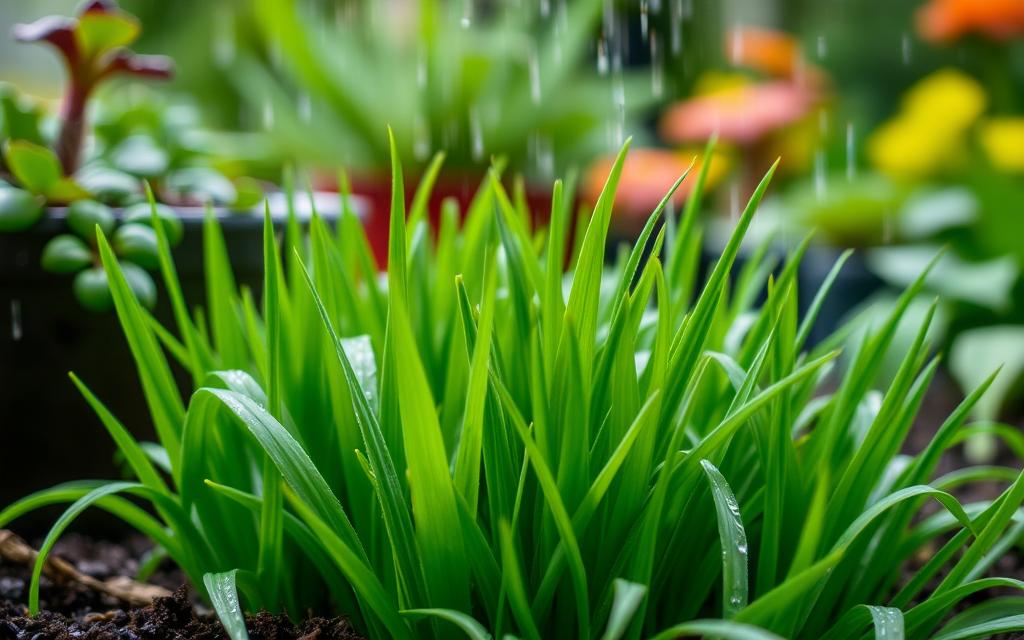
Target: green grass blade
(224, 596)
(733, 539)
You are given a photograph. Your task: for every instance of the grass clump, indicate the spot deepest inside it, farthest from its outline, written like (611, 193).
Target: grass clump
(491, 442)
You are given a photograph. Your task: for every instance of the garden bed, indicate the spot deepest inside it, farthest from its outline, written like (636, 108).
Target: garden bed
(73, 610)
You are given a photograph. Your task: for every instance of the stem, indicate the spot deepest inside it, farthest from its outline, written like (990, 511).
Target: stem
(69, 142)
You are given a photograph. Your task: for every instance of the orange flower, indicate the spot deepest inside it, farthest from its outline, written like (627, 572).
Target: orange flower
(772, 52)
(949, 20)
(647, 175)
(741, 115)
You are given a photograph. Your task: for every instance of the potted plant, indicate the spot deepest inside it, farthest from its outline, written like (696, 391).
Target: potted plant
(91, 165)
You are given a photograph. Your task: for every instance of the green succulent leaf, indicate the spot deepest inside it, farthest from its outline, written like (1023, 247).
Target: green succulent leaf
(36, 167)
(203, 184)
(85, 215)
(19, 209)
(137, 243)
(139, 155)
(141, 213)
(92, 290)
(66, 254)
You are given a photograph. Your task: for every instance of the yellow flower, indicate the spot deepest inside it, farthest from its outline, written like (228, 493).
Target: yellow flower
(928, 133)
(1003, 142)
(947, 98)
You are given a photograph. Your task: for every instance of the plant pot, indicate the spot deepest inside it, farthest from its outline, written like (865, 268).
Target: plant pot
(49, 434)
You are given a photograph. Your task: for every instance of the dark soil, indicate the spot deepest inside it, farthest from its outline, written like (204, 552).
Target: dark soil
(70, 611)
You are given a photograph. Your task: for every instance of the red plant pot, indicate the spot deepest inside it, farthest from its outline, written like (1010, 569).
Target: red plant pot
(375, 189)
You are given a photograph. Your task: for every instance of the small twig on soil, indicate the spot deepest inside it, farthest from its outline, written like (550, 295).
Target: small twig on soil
(137, 594)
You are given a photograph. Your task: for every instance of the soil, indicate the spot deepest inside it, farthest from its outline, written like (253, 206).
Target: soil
(71, 611)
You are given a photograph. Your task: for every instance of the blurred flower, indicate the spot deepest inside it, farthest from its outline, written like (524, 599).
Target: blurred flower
(949, 20)
(947, 98)
(928, 133)
(648, 174)
(1003, 142)
(772, 52)
(740, 115)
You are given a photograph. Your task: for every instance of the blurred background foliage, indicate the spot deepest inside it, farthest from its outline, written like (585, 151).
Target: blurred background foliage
(900, 122)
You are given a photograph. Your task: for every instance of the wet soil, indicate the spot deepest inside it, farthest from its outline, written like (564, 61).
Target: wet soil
(71, 611)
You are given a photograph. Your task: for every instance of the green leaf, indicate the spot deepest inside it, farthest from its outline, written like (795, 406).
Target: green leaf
(65, 254)
(888, 622)
(976, 353)
(733, 539)
(139, 155)
(203, 184)
(473, 629)
(136, 243)
(98, 32)
(628, 596)
(19, 209)
(85, 215)
(159, 387)
(716, 629)
(36, 167)
(988, 283)
(224, 597)
(141, 213)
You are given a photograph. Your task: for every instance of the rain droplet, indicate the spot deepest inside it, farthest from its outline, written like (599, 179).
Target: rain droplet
(545, 8)
(657, 68)
(534, 69)
(851, 152)
(820, 174)
(675, 19)
(421, 138)
(16, 331)
(476, 134)
(224, 50)
(421, 73)
(734, 199)
(304, 107)
(822, 47)
(602, 58)
(643, 19)
(905, 48)
(267, 114)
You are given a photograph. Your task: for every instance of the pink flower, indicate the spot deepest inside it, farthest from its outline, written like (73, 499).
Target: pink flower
(741, 115)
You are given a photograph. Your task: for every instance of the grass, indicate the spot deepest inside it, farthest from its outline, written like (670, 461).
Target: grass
(508, 436)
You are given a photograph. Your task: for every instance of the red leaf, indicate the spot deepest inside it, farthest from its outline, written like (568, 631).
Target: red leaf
(57, 30)
(125, 61)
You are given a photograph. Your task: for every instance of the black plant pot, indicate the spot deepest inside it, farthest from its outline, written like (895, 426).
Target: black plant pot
(48, 434)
